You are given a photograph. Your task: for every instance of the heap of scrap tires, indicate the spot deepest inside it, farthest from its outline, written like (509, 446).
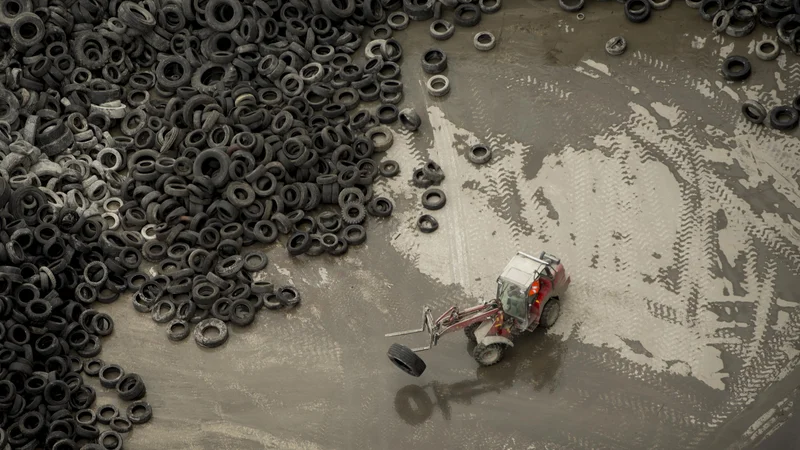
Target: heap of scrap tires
(145, 146)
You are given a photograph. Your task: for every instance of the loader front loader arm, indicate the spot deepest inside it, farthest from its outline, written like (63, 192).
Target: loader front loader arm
(451, 320)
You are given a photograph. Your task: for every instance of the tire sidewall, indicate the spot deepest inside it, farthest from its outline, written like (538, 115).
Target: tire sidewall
(552, 307)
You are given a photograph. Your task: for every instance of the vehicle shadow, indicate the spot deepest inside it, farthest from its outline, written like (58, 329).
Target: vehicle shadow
(535, 360)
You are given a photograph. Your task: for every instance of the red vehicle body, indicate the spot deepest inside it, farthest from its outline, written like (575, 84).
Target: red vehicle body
(528, 294)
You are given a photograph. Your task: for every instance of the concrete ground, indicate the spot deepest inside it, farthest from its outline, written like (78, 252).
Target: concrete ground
(677, 219)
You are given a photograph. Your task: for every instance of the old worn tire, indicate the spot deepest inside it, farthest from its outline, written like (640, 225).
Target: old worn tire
(406, 360)
(470, 332)
(488, 355)
(550, 313)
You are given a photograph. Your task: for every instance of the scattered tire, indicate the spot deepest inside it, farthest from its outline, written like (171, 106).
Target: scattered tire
(442, 30)
(637, 11)
(434, 61)
(484, 41)
(479, 154)
(438, 86)
(210, 333)
(433, 172)
(754, 111)
(389, 168)
(736, 68)
(433, 199)
(767, 50)
(410, 119)
(380, 207)
(427, 223)
(783, 118)
(571, 5)
(616, 46)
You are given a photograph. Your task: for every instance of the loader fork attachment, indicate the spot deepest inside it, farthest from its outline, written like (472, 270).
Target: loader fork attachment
(428, 326)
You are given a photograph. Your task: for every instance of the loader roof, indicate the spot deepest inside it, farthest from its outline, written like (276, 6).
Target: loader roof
(523, 270)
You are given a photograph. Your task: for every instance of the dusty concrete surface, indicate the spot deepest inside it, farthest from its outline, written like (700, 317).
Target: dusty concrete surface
(677, 219)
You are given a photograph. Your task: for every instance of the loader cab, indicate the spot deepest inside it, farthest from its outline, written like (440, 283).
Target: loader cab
(514, 284)
(516, 303)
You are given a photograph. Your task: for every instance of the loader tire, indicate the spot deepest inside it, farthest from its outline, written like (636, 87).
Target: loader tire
(406, 360)
(488, 355)
(550, 313)
(470, 332)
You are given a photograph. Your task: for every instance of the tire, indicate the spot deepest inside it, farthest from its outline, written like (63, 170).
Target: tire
(433, 199)
(406, 360)
(488, 355)
(479, 154)
(783, 118)
(298, 243)
(638, 15)
(550, 313)
(353, 213)
(736, 68)
(470, 332)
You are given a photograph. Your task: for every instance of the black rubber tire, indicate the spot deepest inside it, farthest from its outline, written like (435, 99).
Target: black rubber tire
(406, 360)
(479, 154)
(353, 213)
(571, 6)
(467, 15)
(419, 179)
(551, 307)
(272, 303)
(389, 168)
(434, 61)
(754, 111)
(469, 331)
(433, 172)
(737, 75)
(354, 234)
(427, 223)
(134, 417)
(709, 9)
(288, 296)
(178, 330)
(350, 195)
(210, 342)
(380, 207)
(298, 243)
(480, 353)
(788, 124)
(433, 205)
(638, 17)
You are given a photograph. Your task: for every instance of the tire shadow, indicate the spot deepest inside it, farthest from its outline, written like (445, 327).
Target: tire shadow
(535, 360)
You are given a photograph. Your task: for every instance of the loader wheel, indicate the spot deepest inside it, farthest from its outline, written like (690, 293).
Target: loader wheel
(550, 313)
(406, 360)
(470, 332)
(488, 355)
